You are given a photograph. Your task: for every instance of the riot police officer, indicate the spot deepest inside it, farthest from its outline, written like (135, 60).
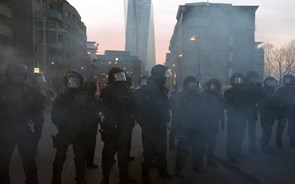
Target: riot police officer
(285, 98)
(190, 128)
(252, 86)
(117, 106)
(173, 101)
(21, 125)
(236, 123)
(212, 113)
(267, 110)
(132, 115)
(93, 120)
(154, 114)
(69, 114)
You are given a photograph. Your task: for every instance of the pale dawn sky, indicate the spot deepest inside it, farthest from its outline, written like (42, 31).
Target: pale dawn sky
(275, 21)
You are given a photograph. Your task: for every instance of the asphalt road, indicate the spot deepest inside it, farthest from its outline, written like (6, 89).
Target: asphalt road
(243, 173)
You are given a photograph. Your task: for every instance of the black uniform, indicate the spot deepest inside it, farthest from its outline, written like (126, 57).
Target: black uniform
(92, 120)
(285, 97)
(154, 114)
(267, 108)
(251, 88)
(190, 131)
(70, 114)
(282, 113)
(117, 105)
(236, 123)
(172, 135)
(20, 112)
(212, 113)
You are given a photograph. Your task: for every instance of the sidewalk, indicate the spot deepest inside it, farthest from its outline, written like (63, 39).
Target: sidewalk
(275, 168)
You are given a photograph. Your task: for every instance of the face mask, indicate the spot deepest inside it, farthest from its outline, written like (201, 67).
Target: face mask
(120, 77)
(238, 80)
(73, 83)
(193, 86)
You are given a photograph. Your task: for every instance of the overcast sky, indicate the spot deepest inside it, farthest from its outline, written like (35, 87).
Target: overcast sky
(275, 21)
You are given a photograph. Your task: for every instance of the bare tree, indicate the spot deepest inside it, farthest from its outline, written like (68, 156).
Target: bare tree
(279, 61)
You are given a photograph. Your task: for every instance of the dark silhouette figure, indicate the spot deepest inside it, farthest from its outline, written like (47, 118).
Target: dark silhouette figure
(21, 122)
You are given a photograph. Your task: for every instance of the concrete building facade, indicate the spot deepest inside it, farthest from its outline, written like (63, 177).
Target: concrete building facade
(47, 35)
(212, 40)
(5, 37)
(139, 31)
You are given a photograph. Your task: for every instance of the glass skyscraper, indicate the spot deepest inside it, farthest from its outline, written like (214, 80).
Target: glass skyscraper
(139, 32)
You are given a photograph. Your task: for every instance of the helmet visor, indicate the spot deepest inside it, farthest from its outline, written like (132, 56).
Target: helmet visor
(120, 77)
(213, 87)
(168, 73)
(238, 80)
(271, 83)
(193, 86)
(254, 79)
(287, 80)
(73, 82)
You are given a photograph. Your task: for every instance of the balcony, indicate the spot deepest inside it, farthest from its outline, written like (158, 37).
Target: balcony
(5, 31)
(5, 11)
(54, 14)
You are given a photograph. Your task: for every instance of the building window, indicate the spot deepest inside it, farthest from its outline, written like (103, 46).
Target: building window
(37, 48)
(231, 41)
(67, 27)
(37, 15)
(45, 3)
(74, 18)
(230, 56)
(67, 14)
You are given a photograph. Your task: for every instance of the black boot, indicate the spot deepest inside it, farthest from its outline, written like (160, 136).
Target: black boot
(145, 172)
(179, 174)
(105, 181)
(81, 181)
(212, 164)
(127, 179)
(279, 143)
(165, 174)
(91, 165)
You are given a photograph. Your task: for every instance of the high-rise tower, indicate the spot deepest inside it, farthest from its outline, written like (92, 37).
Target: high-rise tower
(139, 35)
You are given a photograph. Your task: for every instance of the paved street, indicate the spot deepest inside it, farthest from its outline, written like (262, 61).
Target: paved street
(274, 168)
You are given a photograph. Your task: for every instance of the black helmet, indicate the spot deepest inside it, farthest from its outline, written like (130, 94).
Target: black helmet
(213, 85)
(252, 76)
(90, 87)
(142, 81)
(288, 80)
(73, 79)
(17, 72)
(191, 83)
(116, 74)
(270, 83)
(161, 71)
(237, 79)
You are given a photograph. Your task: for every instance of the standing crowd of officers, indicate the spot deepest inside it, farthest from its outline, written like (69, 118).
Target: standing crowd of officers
(197, 115)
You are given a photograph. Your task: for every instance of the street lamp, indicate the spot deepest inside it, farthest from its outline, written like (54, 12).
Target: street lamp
(194, 39)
